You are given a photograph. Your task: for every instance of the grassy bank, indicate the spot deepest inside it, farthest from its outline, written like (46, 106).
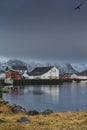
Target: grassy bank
(54, 121)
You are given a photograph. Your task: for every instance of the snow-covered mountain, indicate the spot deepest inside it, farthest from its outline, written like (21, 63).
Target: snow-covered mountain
(3, 59)
(66, 68)
(10, 63)
(79, 66)
(16, 62)
(63, 67)
(3, 62)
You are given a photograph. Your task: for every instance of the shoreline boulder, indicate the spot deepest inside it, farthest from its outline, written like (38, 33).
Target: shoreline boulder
(23, 120)
(17, 109)
(33, 112)
(47, 112)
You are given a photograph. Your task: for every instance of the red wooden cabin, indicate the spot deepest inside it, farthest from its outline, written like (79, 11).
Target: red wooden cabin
(13, 74)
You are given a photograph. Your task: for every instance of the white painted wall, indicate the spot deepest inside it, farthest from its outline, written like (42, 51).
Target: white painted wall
(34, 77)
(74, 76)
(25, 75)
(8, 81)
(82, 77)
(2, 76)
(51, 74)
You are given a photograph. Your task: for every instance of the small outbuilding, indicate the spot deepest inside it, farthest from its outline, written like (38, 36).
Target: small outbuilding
(2, 74)
(11, 75)
(66, 76)
(79, 76)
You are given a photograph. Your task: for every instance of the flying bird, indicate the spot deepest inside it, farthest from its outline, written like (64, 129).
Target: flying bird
(79, 6)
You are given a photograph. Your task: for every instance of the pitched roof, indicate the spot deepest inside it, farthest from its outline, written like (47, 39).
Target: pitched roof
(40, 70)
(83, 73)
(19, 67)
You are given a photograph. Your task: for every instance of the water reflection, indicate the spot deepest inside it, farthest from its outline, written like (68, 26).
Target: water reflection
(52, 90)
(16, 90)
(34, 97)
(68, 96)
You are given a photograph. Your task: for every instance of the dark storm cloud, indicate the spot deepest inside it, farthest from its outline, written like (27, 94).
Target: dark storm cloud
(43, 29)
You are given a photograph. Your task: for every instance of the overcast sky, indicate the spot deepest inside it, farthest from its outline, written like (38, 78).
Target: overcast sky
(43, 29)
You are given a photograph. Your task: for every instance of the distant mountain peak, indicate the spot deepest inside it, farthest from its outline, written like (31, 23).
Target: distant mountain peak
(3, 59)
(15, 62)
(63, 67)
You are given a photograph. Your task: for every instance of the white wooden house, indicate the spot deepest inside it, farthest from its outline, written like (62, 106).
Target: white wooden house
(44, 73)
(79, 76)
(2, 74)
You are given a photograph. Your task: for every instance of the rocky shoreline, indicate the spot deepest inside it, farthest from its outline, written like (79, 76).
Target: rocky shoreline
(18, 109)
(14, 117)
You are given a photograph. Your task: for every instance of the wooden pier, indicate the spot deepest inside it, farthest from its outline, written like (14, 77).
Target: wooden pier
(41, 81)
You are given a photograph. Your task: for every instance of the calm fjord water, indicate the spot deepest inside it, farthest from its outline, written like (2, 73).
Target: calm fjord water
(65, 97)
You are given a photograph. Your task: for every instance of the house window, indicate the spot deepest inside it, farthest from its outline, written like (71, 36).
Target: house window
(54, 70)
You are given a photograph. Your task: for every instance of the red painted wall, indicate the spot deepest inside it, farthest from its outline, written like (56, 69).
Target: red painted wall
(13, 74)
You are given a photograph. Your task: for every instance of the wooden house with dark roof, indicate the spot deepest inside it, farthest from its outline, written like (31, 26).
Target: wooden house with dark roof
(44, 73)
(14, 73)
(80, 75)
(11, 75)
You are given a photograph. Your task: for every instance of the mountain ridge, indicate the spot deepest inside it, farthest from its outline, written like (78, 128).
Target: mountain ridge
(63, 67)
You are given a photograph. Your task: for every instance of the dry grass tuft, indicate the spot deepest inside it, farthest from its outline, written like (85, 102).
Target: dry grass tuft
(54, 121)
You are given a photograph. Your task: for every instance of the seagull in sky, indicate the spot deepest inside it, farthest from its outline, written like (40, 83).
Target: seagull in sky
(79, 6)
